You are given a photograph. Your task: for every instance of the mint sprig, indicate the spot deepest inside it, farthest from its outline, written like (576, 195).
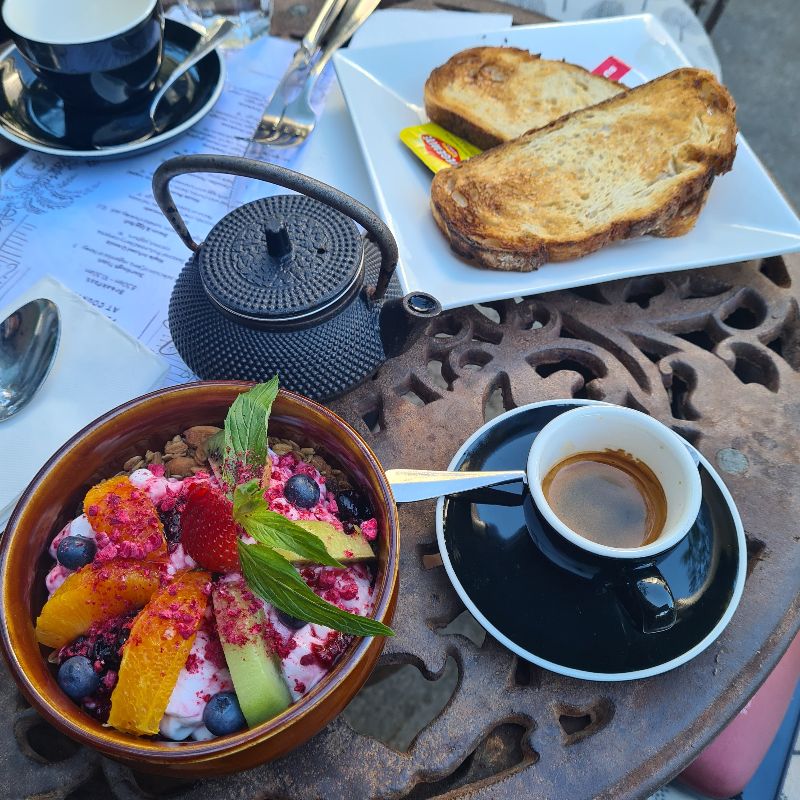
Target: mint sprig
(274, 579)
(246, 424)
(242, 452)
(273, 530)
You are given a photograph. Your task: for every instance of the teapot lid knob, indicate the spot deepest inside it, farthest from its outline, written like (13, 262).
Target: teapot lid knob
(279, 244)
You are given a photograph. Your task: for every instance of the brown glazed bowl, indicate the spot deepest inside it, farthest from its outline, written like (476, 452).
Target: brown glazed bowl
(97, 452)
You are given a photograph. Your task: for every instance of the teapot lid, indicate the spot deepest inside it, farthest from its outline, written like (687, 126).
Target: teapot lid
(282, 261)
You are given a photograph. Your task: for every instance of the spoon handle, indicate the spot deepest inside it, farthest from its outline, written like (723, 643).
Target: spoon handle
(204, 46)
(410, 485)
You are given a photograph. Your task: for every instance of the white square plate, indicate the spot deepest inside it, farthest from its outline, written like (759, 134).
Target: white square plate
(745, 216)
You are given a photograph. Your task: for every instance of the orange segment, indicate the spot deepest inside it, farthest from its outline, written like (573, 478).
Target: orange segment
(95, 593)
(157, 649)
(128, 517)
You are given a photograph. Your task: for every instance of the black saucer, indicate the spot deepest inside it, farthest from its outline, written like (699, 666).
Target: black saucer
(35, 118)
(547, 613)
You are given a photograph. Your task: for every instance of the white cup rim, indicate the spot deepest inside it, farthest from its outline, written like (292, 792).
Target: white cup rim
(678, 447)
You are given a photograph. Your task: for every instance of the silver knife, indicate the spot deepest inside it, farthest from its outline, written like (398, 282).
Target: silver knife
(299, 115)
(302, 57)
(336, 30)
(347, 23)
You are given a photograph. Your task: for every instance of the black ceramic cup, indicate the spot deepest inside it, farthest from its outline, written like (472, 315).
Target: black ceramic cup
(98, 56)
(638, 583)
(631, 571)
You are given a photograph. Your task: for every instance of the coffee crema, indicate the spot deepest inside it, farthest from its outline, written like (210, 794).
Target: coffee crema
(608, 497)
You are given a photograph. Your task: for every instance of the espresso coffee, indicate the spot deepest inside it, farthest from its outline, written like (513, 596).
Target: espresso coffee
(607, 497)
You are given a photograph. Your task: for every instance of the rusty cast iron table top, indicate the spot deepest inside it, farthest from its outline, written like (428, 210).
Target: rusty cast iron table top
(715, 354)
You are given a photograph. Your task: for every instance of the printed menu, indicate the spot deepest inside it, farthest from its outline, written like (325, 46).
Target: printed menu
(95, 226)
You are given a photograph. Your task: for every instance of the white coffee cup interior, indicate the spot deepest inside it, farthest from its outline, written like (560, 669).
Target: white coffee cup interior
(73, 21)
(598, 428)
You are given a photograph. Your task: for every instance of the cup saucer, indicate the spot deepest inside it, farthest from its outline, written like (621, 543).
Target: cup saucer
(551, 614)
(35, 118)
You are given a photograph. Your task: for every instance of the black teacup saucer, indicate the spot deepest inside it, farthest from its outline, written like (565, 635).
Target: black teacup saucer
(551, 615)
(34, 117)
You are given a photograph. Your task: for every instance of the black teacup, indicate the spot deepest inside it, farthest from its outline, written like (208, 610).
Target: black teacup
(98, 56)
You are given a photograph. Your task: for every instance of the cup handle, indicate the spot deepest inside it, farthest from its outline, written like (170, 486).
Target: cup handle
(648, 599)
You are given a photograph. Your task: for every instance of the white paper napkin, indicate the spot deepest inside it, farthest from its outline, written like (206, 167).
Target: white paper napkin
(98, 366)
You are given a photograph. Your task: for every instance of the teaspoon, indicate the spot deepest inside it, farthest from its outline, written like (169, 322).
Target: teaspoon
(410, 485)
(209, 41)
(123, 129)
(28, 344)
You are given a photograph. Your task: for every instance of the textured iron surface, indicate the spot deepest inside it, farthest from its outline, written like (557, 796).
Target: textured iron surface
(714, 353)
(324, 259)
(323, 360)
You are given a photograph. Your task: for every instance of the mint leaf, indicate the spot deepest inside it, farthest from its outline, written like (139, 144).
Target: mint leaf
(274, 579)
(246, 423)
(246, 433)
(271, 529)
(247, 499)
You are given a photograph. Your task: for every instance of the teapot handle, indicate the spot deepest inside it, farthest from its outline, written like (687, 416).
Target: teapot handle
(376, 229)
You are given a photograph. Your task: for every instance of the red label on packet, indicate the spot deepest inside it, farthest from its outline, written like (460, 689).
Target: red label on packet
(612, 68)
(436, 147)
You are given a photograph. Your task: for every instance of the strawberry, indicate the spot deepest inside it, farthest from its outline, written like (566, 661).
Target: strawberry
(208, 531)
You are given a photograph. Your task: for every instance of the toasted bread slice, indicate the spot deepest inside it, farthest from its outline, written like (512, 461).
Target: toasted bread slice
(640, 162)
(490, 95)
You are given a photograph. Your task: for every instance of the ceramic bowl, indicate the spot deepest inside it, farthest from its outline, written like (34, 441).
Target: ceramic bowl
(97, 452)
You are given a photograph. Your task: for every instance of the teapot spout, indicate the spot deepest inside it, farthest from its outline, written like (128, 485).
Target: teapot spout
(403, 320)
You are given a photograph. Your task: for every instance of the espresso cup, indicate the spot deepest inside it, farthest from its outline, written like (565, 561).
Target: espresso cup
(98, 56)
(631, 570)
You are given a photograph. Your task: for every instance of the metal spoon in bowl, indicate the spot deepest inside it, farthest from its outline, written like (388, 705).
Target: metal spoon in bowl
(28, 344)
(410, 485)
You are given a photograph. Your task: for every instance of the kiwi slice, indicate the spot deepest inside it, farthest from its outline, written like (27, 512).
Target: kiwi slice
(342, 546)
(255, 670)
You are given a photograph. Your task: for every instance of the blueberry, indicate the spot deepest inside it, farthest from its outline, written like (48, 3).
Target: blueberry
(222, 714)
(75, 552)
(77, 677)
(353, 505)
(108, 647)
(301, 491)
(105, 652)
(171, 520)
(292, 623)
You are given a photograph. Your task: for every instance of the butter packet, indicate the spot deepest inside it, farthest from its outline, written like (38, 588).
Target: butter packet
(436, 147)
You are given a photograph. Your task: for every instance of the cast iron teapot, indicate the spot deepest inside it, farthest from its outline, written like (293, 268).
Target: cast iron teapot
(287, 285)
